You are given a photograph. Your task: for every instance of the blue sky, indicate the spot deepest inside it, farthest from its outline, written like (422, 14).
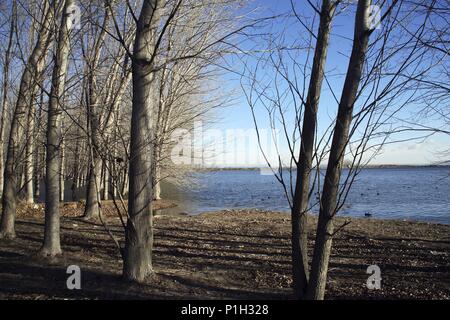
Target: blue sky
(239, 115)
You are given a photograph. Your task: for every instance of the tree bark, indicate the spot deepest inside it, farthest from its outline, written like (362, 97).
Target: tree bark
(93, 196)
(61, 169)
(51, 245)
(106, 182)
(139, 230)
(29, 151)
(157, 184)
(39, 156)
(156, 177)
(4, 110)
(126, 184)
(92, 209)
(76, 169)
(301, 196)
(324, 236)
(15, 150)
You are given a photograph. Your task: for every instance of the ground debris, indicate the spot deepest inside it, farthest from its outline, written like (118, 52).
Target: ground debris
(239, 254)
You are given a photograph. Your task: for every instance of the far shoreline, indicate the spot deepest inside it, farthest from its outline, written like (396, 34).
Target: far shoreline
(168, 207)
(381, 166)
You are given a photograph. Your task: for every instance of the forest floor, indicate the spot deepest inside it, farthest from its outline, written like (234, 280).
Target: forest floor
(241, 254)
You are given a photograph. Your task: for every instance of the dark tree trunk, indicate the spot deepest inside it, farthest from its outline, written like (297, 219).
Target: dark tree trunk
(39, 158)
(301, 195)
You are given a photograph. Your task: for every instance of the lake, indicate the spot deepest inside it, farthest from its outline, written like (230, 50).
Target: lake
(413, 193)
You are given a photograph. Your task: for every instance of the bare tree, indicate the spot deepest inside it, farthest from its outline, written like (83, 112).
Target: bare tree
(433, 115)
(305, 160)
(187, 81)
(385, 67)
(92, 209)
(322, 248)
(29, 82)
(51, 245)
(5, 88)
(139, 231)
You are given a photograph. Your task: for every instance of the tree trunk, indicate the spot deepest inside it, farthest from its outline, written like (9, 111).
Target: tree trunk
(61, 170)
(157, 184)
(156, 177)
(4, 109)
(125, 184)
(39, 157)
(93, 196)
(51, 245)
(15, 150)
(114, 174)
(29, 151)
(76, 169)
(139, 230)
(106, 184)
(322, 249)
(301, 196)
(92, 209)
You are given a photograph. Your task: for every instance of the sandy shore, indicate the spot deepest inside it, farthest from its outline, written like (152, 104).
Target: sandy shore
(229, 254)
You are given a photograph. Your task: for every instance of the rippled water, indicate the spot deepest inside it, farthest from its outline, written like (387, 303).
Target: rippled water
(421, 194)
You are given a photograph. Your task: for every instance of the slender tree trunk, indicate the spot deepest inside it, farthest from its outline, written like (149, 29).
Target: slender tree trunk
(125, 184)
(29, 151)
(51, 245)
(157, 184)
(15, 147)
(93, 196)
(94, 178)
(107, 126)
(106, 183)
(301, 196)
(114, 175)
(324, 236)
(28, 168)
(92, 209)
(76, 170)
(61, 170)
(139, 230)
(156, 177)
(4, 109)
(39, 157)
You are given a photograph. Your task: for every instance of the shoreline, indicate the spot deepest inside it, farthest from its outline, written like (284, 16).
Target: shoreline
(374, 166)
(170, 207)
(315, 215)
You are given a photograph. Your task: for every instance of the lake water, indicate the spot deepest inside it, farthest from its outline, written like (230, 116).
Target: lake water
(419, 193)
